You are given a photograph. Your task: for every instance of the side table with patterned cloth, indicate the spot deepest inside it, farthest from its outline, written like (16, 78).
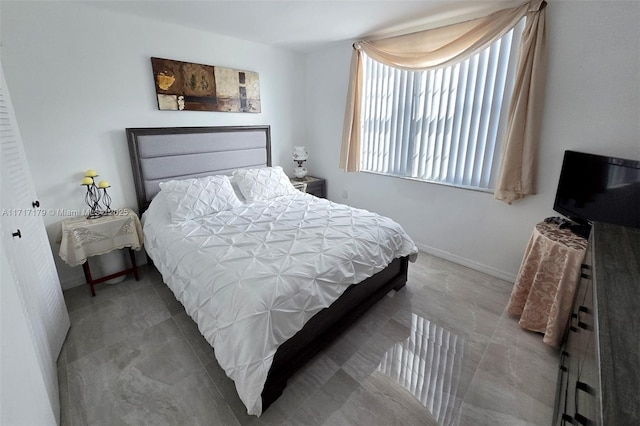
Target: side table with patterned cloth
(83, 238)
(546, 285)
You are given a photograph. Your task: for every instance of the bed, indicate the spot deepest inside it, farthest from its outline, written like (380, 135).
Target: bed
(183, 253)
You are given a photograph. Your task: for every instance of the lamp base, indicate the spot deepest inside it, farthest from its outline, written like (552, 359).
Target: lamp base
(299, 172)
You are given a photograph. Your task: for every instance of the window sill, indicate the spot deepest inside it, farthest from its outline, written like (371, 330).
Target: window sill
(468, 188)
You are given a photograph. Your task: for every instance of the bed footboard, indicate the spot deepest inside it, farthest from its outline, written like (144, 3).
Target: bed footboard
(327, 324)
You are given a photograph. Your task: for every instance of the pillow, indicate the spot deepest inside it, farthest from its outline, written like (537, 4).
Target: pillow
(236, 188)
(191, 198)
(264, 183)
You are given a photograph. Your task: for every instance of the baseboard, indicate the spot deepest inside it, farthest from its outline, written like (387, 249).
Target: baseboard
(73, 282)
(70, 282)
(67, 284)
(468, 263)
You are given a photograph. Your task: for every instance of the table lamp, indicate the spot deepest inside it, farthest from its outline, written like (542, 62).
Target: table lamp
(300, 155)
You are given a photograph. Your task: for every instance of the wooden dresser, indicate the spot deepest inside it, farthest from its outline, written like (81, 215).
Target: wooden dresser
(599, 378)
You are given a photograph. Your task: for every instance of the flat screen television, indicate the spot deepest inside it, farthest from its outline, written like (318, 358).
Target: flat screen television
(595, 188)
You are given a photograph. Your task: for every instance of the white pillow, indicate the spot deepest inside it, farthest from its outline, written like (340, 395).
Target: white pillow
(264, 183)
(236, 188)
(191, 198)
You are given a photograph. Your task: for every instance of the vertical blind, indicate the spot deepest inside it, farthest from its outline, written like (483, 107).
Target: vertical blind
(443, 125)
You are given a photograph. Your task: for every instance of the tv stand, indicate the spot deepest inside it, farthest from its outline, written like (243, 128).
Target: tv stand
(581, 230)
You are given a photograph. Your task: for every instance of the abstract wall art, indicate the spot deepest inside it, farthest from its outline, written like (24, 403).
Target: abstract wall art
(184, 86)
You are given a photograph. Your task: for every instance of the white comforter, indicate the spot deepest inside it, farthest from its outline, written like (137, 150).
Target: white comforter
(252, 276)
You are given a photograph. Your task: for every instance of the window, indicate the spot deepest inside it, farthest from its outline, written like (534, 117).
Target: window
(444, 125)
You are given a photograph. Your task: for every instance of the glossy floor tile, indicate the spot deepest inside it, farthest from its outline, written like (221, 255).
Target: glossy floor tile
(441, 351)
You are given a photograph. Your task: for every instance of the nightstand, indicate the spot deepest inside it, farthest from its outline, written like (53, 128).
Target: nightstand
(315, 186)
(545, 287)
(83, 238)
(300, 186)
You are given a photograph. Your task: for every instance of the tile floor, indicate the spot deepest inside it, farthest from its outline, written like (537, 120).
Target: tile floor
(442, 351)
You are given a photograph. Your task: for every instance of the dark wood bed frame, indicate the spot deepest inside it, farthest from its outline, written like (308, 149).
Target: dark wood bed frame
(326, 325)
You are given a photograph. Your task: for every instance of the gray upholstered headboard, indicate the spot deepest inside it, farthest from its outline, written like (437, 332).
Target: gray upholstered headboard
(163, 153)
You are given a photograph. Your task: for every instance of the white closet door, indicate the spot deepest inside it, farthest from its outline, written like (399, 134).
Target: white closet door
(27, 249)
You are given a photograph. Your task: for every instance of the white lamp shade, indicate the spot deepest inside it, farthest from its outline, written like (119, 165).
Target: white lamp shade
(300, 153)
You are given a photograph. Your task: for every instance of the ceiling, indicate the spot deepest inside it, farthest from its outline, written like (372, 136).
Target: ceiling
(304, 25)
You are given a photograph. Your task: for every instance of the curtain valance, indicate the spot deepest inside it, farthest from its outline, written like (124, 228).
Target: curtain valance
(450, 44)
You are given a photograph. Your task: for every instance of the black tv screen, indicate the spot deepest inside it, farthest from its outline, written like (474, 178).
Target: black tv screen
(595, 188)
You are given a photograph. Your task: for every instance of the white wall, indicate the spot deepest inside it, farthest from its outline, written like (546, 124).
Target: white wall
(79, 76)
(592, 104)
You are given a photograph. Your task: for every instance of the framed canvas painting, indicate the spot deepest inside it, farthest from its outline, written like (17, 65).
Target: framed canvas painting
(185, 86)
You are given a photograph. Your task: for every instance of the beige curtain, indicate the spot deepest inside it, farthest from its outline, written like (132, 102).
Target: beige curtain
(518, 168)
(453, 43)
